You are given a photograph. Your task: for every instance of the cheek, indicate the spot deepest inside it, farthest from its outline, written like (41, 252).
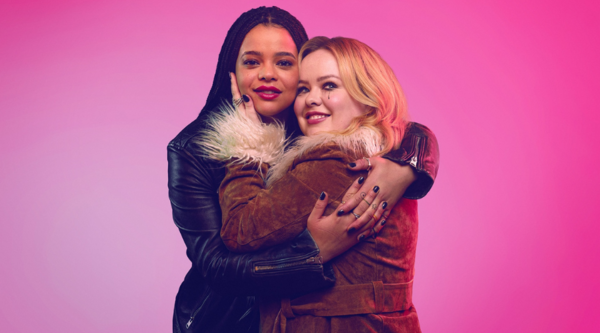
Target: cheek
(299, 106)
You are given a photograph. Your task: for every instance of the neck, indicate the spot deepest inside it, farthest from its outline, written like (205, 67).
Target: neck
(281, 117)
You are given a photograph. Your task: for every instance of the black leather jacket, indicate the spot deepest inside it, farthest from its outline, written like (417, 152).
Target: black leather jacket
(218, 292)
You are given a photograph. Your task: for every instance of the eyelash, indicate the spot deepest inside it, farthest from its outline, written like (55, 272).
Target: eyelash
(327, 86)
(301, 90)
(282, 63)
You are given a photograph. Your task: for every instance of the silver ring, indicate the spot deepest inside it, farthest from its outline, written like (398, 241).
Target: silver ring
(355, 215)
(368, 161)
(237, 102)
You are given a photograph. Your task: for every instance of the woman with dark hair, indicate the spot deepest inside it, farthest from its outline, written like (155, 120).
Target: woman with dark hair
(216, 293)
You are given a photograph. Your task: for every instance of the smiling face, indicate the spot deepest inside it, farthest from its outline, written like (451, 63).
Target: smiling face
(323, 104)
(267, 69)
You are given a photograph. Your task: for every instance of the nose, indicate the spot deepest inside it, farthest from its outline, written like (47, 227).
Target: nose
(267, 72)
(313, 98)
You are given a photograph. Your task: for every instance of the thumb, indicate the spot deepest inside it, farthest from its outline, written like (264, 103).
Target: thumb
(319, 208)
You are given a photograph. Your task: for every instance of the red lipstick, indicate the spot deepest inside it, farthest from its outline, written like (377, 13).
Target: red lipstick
(267, 93)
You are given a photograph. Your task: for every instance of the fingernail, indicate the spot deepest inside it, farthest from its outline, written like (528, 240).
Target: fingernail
(374, 235)
(361, 237)
(322, 196)
(246, 98)
(352, 165)
(383, 205)
(361, 180)
(383, 222)
(351, 230)
(376, 189)
(340, 213)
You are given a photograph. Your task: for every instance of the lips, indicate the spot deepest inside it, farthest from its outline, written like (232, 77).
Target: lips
(267, 93)
(315, 117)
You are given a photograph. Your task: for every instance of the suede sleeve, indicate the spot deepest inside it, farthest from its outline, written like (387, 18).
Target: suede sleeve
(193, 184)
(255, 217)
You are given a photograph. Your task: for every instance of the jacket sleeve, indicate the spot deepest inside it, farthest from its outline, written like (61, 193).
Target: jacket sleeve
(247, 203)
(419, 149)
(282, 270)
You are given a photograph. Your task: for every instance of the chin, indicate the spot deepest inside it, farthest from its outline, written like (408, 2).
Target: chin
(269, 110)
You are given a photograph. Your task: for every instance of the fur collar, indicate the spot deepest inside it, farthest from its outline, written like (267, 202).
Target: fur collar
(363, 141)
(230, 135)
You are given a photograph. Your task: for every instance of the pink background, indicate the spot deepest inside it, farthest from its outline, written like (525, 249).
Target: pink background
(92, 92)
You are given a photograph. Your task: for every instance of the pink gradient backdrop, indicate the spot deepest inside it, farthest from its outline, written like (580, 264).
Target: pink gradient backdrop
(91, 93)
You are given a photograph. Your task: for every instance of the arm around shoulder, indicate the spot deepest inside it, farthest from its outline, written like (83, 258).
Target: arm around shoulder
(193, 183)
(419, 149)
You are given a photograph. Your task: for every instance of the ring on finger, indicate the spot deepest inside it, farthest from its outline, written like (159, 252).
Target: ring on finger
(369, 162)
(237, 102)
(355, 215)
(368, 203)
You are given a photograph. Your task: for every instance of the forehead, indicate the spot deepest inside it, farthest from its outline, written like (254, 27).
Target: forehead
(265, 39)
(317, 64)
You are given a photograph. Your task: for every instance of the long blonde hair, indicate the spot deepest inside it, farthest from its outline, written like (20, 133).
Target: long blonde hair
(370, 81)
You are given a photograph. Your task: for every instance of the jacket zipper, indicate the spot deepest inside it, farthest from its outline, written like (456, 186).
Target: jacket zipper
(414, 159)
(310, 261)
(189, 323)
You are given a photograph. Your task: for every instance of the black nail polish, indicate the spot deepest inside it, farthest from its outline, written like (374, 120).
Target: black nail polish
(246, 98)
(352, 165)
(322, 196)
(382, 222)
(351, 230)
(340, 212)
(361, 237)
(361, 180)
(383, 205)
(376, 189)
(374, 235)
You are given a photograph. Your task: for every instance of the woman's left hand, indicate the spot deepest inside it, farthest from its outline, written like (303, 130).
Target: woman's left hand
(393, 179)
(243, 103)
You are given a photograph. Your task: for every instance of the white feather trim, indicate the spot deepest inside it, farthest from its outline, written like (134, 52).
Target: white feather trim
(230, 134)
(364, 140)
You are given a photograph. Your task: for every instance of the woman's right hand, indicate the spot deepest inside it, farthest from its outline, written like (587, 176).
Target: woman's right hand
(245, 105)
(332, 233)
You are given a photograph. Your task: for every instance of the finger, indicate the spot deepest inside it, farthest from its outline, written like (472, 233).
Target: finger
(379, 225)
(366, 201)
(249, 109)
(362, 236)
(349, 201)
(357, 165)
(235, 90)
(364, 209)
(319, 208)
(380, 210)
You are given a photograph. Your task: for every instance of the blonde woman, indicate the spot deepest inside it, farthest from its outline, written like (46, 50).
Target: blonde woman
(349, 105)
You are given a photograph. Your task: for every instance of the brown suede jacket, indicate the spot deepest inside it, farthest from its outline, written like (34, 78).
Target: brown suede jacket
(373, 289)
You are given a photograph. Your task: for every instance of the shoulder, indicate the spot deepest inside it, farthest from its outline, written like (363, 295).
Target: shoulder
(418, 129)
(191, 131)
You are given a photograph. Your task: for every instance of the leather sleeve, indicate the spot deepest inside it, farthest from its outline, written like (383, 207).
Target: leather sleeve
(419, 149)
(193, 184)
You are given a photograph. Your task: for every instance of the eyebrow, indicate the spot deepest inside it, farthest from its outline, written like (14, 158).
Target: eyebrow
(321, 78)
(325, 77)
(278, 54)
